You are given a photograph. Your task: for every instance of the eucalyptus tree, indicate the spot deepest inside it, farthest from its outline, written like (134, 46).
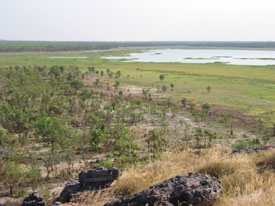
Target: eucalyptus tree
(161, 77)
(156, 142)
(184, 101)
(164, 88)
(117, 83)
(13, 175)
(118, 74)
(172, 87)
(206, 107)
(261, 122)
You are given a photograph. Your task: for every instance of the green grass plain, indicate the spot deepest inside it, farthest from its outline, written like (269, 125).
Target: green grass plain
(248, 89)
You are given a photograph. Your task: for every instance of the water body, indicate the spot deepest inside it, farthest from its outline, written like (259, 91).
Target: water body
(64, 57)
(236, 57)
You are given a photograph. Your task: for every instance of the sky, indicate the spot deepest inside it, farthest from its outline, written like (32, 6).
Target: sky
(138, 20)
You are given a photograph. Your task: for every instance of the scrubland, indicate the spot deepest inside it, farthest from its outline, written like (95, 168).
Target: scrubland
(61, 116)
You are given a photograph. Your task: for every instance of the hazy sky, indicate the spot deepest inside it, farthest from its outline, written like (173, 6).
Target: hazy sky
(137, 20)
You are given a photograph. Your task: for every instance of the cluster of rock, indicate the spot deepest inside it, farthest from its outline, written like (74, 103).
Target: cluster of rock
(88, 180)
(253, 149)
(34, 200)
(194, 189)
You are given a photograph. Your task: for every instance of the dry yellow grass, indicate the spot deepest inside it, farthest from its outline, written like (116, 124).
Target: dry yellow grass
(243, 182)
(266, 159)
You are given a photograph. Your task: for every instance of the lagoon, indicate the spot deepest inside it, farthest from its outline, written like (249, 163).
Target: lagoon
(68, 57)
(228, 56)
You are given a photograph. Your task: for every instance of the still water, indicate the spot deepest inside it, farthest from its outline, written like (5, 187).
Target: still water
(65, 57)
(236, 57)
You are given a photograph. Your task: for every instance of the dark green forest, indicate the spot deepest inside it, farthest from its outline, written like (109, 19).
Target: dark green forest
(47, 46)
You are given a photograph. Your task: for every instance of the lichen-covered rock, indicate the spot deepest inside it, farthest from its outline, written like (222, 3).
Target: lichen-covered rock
(34, 200)
(99, 178)
(197, 190)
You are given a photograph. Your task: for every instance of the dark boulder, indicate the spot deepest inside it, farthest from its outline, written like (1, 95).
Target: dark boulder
(71, 188)
(34, 200)
(197, 190)
(99, 178)
(89, 180)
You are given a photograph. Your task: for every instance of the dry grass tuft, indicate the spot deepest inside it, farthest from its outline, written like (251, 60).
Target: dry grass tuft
(234, 171)
(95, 198)
(243, 184)
(137, 179)
(266, 160)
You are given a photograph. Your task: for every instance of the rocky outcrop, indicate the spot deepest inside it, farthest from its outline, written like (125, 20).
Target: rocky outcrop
(253, 149)
(197, 190)
(71, 188)
(88, 180)
(98, 179)
(34, 200)
(65, 204)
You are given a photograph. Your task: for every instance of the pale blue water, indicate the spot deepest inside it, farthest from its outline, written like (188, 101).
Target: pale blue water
(236, 57)
(64, 57)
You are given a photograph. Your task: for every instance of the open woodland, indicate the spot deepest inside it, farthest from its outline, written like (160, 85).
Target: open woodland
(59, 116)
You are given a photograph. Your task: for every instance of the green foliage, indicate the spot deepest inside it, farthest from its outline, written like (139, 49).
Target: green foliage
(164, 88)
(97, 136)
(261, 122)
(184, 101)
(117, 83)
(34, 177)
(206, 107)
(6, 139)
(56, 70)
(204, 137)
(96, 83)
(169, 101)
(118, 74)
(172, 87)
(91, 69)
(105, 163)
(242, 144)
(226, 117)
(52, 129)
(12, 175)
(122, 148)
(76, 84)
(146, 94)
(53, 46)
(156, 142)
(161, 77)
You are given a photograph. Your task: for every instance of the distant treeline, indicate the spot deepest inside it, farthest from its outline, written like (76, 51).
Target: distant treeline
(43, 46)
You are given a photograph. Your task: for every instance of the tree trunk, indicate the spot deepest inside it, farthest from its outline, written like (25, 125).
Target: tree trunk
(48, 173)
(11, 190)
(52, 142)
